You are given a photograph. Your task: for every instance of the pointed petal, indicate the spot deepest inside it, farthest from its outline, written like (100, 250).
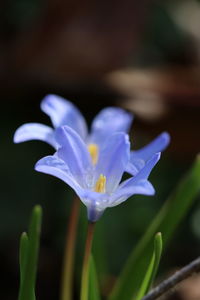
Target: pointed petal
(136, 185)
(157, 145)
(52, 165)
(139, 157)
(63, 112)
(109, 121)
(73, 152)
(135, 166)
(35, 131)
(113, 160)
(146, 170)
(142, 187)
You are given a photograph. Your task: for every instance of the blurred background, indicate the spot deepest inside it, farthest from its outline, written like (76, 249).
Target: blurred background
(143, 56)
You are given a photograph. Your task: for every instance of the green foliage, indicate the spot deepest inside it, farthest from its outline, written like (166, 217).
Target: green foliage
(152, 268)
(93, 282)
(167, 220)
(23, 255)
(29, 246)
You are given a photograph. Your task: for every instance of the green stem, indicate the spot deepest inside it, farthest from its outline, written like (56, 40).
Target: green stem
(86, 260)
(68, 263)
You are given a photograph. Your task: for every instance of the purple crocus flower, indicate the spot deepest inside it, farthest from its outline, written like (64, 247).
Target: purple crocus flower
(98, 185)
(107, 122)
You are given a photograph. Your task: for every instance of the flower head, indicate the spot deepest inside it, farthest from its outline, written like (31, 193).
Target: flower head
(97, 184)
(108, 121)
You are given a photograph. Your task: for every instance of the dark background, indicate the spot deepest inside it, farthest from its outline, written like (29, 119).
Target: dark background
(140, 55)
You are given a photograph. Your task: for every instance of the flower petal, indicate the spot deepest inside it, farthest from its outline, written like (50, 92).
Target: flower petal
(63, 112)
(54, 166)
(109, 121)
(146, 170)
(142, 187)
(139, 157)
(135, 166)
(136, 185)
(35, 131)
(157, 145)
(113, 160)
(74, 153)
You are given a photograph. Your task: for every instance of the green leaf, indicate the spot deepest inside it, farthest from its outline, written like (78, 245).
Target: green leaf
(152, 268)
(93, 282)
(169, 217)
(23, 255)
(29, 247)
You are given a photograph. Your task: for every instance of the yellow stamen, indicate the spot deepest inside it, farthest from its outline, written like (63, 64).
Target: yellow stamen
(94, 152)
(100, 186)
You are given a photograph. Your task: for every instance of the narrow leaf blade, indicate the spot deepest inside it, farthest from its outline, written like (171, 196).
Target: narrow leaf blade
(93, 282)
(29, 274)
(152, 268)
(158, 247)
(23, 251)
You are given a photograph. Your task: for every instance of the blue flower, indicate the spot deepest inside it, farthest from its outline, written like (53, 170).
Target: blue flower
(63, 112)
(107, 122)
(98, 185)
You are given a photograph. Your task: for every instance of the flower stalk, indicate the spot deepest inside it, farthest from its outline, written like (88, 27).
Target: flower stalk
(68, 262)
(86, 260)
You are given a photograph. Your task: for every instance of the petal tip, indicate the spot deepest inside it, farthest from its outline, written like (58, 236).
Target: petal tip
(19, 135)
(38, 166)
(166, 138)
(47, 100)
(16, 137)
(152, 191)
